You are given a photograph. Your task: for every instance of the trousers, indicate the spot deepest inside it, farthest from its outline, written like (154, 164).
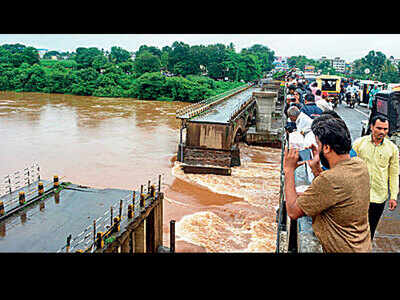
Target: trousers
(374, 214)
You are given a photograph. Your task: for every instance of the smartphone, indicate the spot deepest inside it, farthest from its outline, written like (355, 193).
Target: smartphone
(305, 154)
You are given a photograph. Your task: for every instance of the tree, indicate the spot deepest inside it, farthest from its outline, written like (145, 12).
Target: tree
(179, 53)
(56, 81)
(217, 55)
(99, 62)
(150, 86)
(185, 68)
(127, 67)
(153, 50)
(30, 55)
(85, 82)
(119, 55)
(85, 56)
(380, 68)
(146, 62)
(249, 69)
(90, 71)
(35, 79)
(264, 54)
(198, 55)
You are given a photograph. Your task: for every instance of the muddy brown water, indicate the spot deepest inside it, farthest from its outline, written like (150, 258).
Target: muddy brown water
(122, 143)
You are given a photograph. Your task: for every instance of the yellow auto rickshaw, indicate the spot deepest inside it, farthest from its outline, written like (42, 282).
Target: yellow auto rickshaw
(331, 85)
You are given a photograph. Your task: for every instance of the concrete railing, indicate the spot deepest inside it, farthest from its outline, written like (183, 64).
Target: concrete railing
(199, 107)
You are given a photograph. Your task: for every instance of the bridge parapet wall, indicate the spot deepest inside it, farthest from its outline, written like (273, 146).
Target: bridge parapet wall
(199, 107)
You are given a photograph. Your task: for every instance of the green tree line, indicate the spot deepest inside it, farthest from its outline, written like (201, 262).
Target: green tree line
(175, 73)
(381, 68)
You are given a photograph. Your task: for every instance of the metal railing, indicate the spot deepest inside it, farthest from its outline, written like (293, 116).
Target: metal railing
(19, 179)
(128, 207)
(282, 218)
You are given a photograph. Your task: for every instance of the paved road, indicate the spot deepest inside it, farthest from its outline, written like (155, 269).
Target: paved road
(353, 118)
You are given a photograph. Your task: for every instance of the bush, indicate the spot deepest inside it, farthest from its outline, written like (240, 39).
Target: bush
(91, 73)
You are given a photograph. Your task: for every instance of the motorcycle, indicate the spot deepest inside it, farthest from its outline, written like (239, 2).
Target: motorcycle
(341, 97)
(351, 99)
(334, 102)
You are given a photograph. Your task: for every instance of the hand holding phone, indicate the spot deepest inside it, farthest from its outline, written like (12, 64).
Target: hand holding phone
(305, 155)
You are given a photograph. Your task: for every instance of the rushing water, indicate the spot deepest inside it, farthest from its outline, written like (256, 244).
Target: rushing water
(123, 143)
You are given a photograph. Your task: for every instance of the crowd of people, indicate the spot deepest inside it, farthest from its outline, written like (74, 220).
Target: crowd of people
(350, 182)
(309, 100)
(299, 87)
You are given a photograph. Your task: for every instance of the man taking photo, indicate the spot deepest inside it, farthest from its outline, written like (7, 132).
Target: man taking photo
(338, 209)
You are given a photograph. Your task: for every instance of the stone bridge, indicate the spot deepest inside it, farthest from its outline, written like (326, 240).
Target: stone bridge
(215, 126)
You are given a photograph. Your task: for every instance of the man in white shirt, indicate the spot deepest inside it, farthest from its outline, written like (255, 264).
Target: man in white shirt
(303, 122)
(349, 88)
(321, 102)
(353, 89)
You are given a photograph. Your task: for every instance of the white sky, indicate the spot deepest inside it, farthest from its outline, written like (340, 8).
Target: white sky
(346, 46)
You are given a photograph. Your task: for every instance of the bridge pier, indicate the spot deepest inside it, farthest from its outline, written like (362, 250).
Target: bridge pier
(265, 106)
(268, 126)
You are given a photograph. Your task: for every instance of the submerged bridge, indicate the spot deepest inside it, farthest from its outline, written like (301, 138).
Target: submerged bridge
(215, 126)
(39, 215)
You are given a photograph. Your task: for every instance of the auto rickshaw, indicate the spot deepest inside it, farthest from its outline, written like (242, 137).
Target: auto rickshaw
(394, 87)
(331, 85)
(365, 87)
(386, 103)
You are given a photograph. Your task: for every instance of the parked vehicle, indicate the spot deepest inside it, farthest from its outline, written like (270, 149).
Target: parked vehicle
(386, 103)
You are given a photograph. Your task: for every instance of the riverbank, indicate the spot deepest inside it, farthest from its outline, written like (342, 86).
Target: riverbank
(89, 82)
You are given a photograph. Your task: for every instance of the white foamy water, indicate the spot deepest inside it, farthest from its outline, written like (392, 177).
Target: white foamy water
(247, 225)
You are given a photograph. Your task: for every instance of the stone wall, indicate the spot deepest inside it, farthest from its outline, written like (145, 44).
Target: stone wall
(265, 108)
(207, 157)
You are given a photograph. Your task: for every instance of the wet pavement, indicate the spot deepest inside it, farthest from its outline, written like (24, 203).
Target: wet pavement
(45, 225)
(387, 234)
(222, 112)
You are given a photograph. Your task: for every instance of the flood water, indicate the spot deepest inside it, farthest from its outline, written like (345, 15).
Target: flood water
(122, 143)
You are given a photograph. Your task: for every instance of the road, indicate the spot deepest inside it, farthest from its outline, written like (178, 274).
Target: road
(353, 118)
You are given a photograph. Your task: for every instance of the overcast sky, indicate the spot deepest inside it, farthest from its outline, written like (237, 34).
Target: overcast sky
(346, 46)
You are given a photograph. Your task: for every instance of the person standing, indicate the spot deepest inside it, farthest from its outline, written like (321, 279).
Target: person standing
(333, 200)
(372, 94)
(310, 108)
(321, 102)
(303, 122)
(382, 158)
(313, 87)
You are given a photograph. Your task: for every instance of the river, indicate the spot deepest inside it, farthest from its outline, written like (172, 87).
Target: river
(122, 143)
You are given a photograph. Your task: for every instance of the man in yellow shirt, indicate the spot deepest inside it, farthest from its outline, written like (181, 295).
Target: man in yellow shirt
(382, 158)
